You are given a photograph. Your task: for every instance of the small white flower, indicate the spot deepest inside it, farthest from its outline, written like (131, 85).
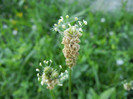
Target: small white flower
(73, 28)
(59, 21)
(14, 32)
(46, 80)
(80, 23)
(80, 29)
(103, 20)
(76, 18)
(43, 74)
(66, 71)
(4, 26)
(61, 18)
(37, 74)
(85, 22)
(38, 78)
(41, 82)
(60, 84)
(76, 25)
(40, 64)
(46, 62)
(66, 76)
(126, 86)
(69, 24)
(60, 66)
(61, 74)
(37, 69)
(50, 60)
(55, 24)
(33, 27)
(119, 62)
(111, 33)
(67, 16)
(55, 29)
(61, 78)
(69, 45)
(63, 26)
(48, 85)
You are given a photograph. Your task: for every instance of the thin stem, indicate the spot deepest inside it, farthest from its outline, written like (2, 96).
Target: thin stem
(52, 94)
(70, 83)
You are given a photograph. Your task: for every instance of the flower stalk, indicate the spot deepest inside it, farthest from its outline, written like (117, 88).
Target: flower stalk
(70, 83)
(52, 94)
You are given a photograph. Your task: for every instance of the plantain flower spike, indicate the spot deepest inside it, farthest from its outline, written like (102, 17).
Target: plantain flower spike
(128, 86)
(71, 39)
(71, 46)
(50, 76)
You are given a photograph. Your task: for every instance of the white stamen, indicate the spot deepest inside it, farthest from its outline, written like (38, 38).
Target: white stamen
(37, 69)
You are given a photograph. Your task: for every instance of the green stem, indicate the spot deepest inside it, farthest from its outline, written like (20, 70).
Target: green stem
(52, 94)
(70, 83)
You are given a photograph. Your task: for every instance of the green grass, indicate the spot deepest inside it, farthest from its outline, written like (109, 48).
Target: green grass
(96, 71)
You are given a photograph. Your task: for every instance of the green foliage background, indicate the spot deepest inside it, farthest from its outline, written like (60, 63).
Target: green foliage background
(96, 75)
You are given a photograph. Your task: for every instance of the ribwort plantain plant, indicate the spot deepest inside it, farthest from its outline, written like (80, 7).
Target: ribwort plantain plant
(50, 76)
(71, 30)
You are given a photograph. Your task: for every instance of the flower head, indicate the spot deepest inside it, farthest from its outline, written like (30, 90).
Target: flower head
(50, 76)
(71, 37)
(128, 85)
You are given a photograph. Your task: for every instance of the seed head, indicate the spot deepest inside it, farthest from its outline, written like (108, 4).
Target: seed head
(71, 46)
